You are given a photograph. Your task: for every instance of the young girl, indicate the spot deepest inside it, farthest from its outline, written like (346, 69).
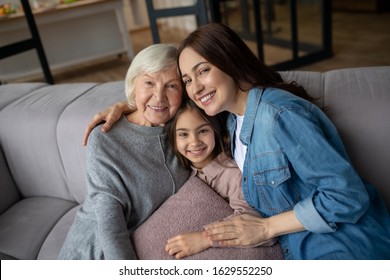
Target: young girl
(201, 143)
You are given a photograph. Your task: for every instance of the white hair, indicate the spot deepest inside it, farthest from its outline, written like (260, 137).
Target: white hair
(152, 59)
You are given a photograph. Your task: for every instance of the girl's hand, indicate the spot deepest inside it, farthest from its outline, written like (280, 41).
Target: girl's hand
(241, 230)
(187, 244)
(109, 116)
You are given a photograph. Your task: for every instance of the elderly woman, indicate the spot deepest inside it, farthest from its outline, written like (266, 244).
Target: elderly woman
(127, 182)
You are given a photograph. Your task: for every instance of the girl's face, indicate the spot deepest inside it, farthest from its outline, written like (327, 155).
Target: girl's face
(210, 88)
(157, 96)
(195, 138)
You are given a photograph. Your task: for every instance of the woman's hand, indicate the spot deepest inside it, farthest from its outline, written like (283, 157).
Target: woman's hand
(187, 244)
(249, 230)
(241, 230)
(108, 117)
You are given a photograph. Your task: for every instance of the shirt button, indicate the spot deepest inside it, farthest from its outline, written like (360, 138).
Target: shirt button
(272, 182)
(287, 251)
(244, 178)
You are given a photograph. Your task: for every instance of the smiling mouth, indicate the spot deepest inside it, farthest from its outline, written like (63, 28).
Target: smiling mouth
(157, 108)
(207, 97)
(196, 152)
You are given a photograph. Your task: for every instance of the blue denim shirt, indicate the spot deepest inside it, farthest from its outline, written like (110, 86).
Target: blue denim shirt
(295, 160)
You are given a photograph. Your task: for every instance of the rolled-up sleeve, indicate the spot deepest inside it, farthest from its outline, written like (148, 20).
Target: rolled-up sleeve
(308, 215)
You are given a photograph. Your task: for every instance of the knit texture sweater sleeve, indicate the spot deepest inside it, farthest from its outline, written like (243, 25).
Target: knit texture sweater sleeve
(108, 199)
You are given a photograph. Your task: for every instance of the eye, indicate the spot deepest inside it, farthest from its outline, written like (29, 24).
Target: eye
(148, 83)
(203, 71)
(173, 86)
(182, 134)
(186, 81)
(204, 131)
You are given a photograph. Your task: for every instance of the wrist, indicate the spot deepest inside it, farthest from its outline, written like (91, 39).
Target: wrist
(271, 228)
(283, 223)
(125, 108)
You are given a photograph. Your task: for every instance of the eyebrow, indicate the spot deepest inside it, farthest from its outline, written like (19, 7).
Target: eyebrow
(151, 77)
(195, 67)
(199, 127)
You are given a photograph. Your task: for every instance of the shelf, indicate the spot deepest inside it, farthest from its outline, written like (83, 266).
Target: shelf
(71, 34)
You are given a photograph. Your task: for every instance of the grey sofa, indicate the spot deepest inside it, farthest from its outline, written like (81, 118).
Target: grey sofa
(42, 161)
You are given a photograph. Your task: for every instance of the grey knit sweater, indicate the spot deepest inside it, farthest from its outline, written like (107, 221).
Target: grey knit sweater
(131, 170)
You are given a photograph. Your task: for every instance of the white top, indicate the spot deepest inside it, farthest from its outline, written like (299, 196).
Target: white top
(239, 147)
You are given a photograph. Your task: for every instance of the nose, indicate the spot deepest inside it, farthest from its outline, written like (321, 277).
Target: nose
(194, 140)
(197, 86)
(159, 94)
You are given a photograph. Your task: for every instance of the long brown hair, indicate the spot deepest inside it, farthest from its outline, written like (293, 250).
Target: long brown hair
(223, 48)
(217, 123)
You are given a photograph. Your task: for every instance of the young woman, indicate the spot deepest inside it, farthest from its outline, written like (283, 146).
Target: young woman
(202, 144)
(295, 170)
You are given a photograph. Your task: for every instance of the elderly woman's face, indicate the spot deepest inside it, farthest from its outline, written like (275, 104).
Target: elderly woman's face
(158, 96)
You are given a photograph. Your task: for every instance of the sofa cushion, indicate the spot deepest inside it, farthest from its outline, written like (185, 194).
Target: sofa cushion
(192, 207)
(25, 226)
(11, 92)
(311, 81)
(71, 127)
(8, 191)
(29, 140)
(53, 243)
(358, 104)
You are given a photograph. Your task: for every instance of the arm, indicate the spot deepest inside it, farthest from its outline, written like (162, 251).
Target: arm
(110, 115)
(319, 159)
(109, 199)
(187, 244)
(246, 229)
(334, 191)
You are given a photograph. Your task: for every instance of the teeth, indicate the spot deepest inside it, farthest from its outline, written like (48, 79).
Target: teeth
(157, 107)
(207, 97)
(195, 152)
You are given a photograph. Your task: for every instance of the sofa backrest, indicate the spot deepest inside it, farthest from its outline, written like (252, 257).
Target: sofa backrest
(41, 134)
(360, 99)
(358, 103)
(41, 128)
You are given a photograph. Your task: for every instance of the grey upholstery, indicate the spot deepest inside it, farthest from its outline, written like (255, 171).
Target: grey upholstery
(42, 162)
(358, 103)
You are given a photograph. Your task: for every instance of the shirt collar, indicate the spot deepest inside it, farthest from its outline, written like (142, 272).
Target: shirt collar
(253, 102)
(212, 170)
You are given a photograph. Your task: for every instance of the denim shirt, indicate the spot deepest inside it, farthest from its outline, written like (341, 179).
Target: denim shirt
(295, 160)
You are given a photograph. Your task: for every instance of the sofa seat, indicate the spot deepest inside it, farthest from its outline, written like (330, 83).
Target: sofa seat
(25, 225)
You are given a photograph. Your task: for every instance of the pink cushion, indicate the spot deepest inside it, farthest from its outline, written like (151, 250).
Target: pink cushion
(194, 206)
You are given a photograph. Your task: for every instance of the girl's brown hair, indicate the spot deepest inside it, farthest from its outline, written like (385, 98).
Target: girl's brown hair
(217, 123)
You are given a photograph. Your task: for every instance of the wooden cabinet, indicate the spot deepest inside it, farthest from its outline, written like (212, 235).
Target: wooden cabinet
(71, 34)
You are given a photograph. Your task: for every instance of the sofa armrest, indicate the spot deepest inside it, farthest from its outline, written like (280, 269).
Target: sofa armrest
(9, 194)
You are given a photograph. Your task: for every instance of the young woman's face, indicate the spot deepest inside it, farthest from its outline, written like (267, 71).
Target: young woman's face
(194, 138)
(157, 96)
(209, 87)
